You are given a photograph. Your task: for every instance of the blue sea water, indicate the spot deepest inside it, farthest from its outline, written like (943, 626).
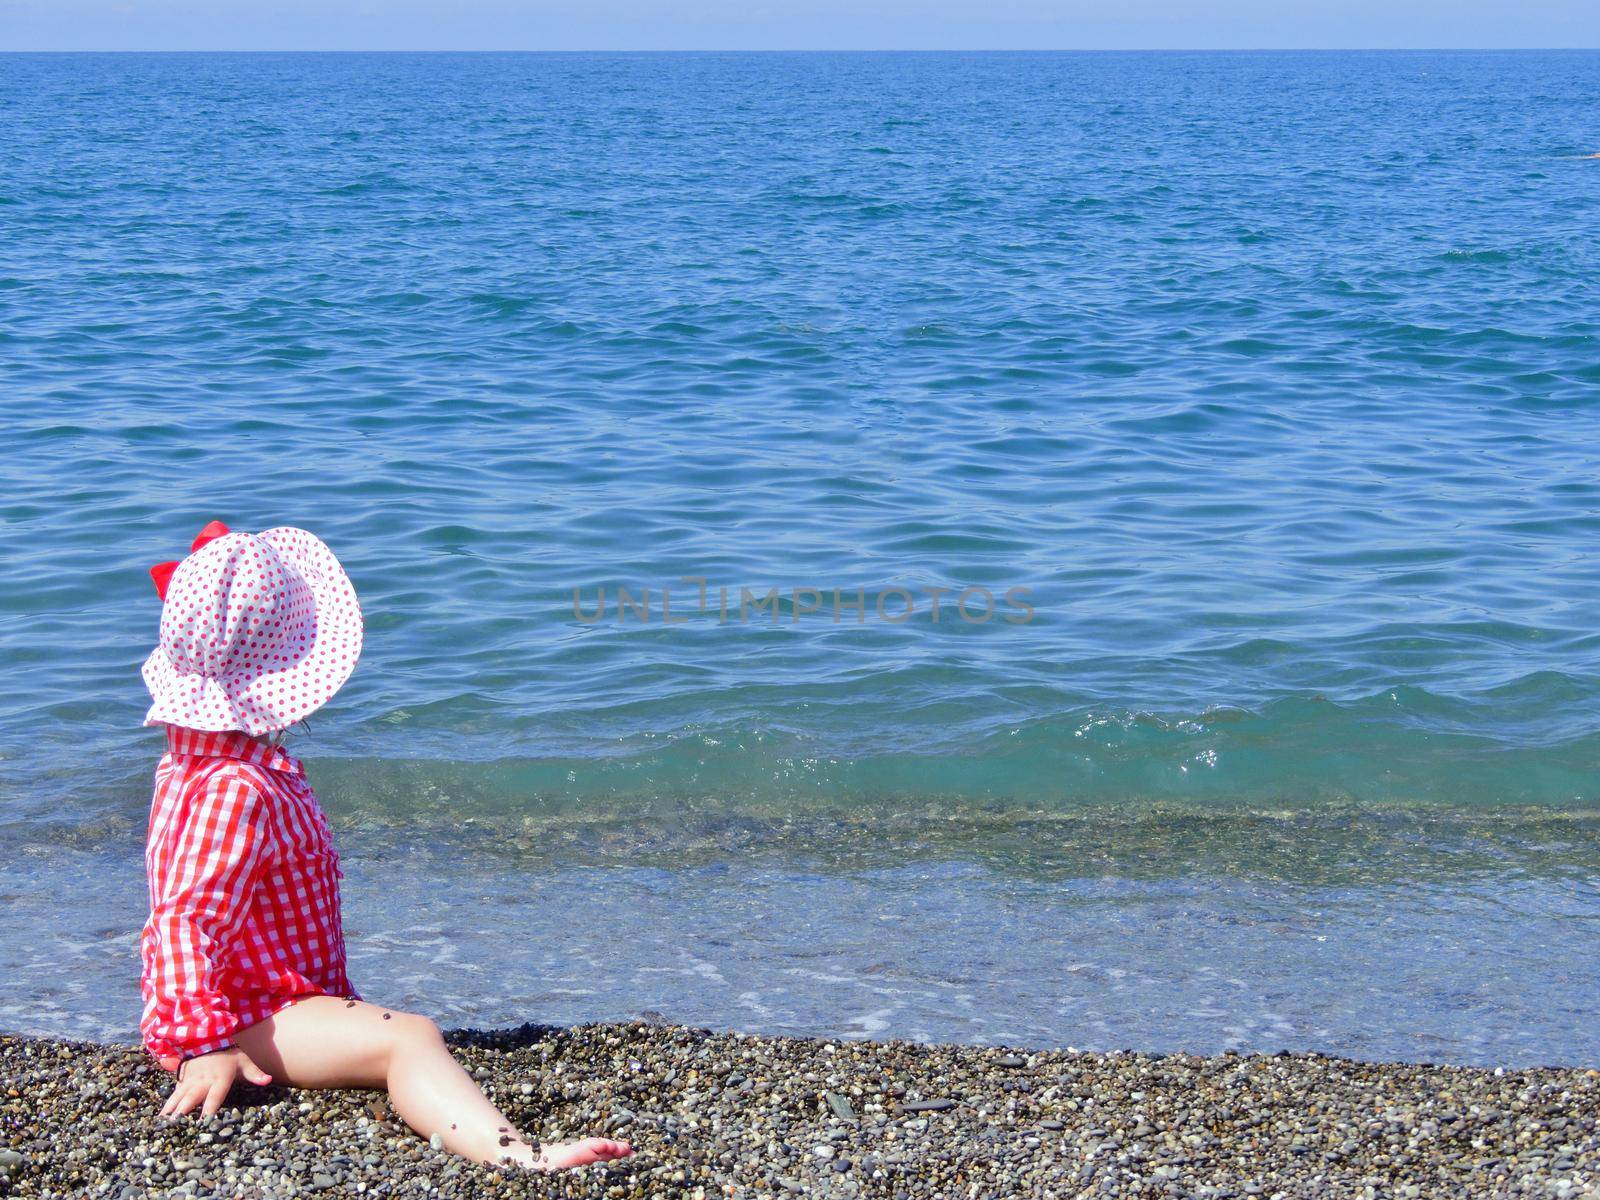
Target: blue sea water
(1257, 391)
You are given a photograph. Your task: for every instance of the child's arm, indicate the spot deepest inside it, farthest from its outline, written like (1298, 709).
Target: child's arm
(199, 898)
(208, 1079)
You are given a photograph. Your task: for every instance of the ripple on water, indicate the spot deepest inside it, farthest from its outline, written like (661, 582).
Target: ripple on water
(1292, 452)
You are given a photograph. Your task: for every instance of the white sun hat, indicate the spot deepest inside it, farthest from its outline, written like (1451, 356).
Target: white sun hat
(258, 630)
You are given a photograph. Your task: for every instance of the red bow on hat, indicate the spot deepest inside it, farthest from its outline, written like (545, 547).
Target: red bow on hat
(162, 572)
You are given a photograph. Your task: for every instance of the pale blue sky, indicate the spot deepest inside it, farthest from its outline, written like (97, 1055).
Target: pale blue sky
(793, 25)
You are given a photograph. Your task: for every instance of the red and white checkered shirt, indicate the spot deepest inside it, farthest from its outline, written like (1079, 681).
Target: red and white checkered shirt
(244, 893)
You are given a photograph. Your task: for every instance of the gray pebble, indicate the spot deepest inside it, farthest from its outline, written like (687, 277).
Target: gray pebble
(746, 1110)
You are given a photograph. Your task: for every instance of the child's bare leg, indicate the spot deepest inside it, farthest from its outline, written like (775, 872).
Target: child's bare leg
(326, 1042)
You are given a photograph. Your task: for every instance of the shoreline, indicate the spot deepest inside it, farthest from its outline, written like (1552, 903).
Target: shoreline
(1200, 934)
(742, 1115)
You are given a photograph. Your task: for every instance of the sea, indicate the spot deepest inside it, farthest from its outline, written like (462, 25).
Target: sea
(1017, 548)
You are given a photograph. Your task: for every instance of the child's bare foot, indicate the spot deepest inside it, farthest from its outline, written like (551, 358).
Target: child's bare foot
(561, 1155)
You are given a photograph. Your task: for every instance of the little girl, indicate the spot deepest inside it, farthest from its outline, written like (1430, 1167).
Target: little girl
(244, 959)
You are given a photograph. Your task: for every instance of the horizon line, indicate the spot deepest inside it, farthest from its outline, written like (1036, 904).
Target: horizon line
(826, 50)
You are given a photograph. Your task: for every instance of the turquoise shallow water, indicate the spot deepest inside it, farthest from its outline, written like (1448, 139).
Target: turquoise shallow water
(1269, 380)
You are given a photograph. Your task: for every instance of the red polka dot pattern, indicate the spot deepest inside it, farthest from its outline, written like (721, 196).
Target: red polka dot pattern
(258, 631)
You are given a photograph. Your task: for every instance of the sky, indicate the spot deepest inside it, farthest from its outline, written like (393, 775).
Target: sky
(793, 24)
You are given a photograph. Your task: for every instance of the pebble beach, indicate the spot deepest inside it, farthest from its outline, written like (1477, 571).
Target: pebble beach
(738, 1115)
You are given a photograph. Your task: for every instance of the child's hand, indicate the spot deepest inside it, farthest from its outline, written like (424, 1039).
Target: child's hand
(206, 1080)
